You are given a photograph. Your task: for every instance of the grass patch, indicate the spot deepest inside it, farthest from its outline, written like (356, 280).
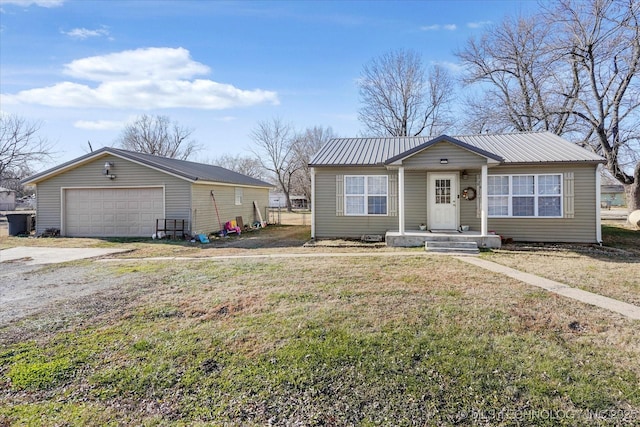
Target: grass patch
(621, 235)
(612, 270)
(354, 341)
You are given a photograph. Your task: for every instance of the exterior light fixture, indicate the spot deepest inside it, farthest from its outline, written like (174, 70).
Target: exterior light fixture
(465, 174)
(444, 161)
(107, 170)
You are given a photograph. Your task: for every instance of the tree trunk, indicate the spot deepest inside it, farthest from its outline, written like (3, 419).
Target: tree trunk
(633, 191)
(288, 197)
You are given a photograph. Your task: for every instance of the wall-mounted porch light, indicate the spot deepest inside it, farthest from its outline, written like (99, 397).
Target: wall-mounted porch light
(108, 166)
(444, 161)
(465, 174)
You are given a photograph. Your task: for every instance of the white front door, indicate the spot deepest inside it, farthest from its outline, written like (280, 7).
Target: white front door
(443, 201)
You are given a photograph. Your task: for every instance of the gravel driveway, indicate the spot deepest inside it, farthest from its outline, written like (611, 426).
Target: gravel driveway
(33, 279)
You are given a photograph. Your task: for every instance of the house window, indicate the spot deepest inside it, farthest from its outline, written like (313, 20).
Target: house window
(238, 196)
(443, 191)
(365, 195)
(525, 195)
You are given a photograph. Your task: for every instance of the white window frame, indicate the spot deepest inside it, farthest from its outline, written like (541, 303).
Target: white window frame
(536, 196)
(239, 193)
(365, 196)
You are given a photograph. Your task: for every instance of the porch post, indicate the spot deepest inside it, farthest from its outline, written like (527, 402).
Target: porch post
(401, 200)
(484, 201)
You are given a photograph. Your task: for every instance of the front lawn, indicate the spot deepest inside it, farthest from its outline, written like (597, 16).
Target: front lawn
(421, 340)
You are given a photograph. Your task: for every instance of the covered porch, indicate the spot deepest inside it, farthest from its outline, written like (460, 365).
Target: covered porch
(446, 162)
(446, 198)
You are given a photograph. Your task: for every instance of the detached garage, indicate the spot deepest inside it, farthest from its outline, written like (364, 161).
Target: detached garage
(119, 193)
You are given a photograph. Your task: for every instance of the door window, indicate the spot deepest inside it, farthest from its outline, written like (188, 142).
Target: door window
(443, 191)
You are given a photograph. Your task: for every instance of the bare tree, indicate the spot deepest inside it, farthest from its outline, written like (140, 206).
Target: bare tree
(307, 145)
(603, 40)
(20, 149)
(245, 165)
(515, 60)
(399, 99)
(160, 136)
(572, 69)
(274, 147)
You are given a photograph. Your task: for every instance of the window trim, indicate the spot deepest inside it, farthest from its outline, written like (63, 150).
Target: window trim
(239, 196)
(536, 196)
(366, 195)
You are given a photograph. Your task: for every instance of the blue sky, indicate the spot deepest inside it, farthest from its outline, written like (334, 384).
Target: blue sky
(84, 68)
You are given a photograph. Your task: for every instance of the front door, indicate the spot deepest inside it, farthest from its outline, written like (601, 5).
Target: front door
(443, 201)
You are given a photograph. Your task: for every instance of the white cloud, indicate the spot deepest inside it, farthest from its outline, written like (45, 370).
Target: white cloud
(27, 3)
(478, 24)
(155, 63)
(84, 33)
(437, 27)
(451, 66)
(98, 124)
(143, 79)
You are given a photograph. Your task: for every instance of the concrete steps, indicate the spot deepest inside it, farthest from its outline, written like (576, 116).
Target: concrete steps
(452, 246)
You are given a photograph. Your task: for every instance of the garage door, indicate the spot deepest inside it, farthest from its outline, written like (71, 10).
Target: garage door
(112, 212)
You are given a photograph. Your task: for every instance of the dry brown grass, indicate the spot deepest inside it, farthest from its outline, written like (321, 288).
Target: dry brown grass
(372, 293)
(604, 271)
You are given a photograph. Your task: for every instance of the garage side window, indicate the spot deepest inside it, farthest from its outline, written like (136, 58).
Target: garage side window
(238, 196)
(366, 195)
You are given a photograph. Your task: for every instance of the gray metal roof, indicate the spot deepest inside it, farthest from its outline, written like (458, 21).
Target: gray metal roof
(191, 171)
(527, 147)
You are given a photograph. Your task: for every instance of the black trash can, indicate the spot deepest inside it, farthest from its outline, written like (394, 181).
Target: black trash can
(17, 223)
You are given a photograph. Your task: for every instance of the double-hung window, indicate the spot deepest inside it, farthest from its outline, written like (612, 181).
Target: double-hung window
(366, 195)
(525, 195)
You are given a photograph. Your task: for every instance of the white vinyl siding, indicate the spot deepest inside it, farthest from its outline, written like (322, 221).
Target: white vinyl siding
(525, 196)
(366, 195)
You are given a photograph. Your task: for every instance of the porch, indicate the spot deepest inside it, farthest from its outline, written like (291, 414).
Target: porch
(416, 238)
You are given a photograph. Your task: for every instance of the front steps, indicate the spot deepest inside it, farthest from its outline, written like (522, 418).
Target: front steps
(414, 238)
(457, 247)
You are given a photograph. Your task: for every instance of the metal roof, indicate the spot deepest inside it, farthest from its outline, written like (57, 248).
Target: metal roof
(526, 147)
(190, 171)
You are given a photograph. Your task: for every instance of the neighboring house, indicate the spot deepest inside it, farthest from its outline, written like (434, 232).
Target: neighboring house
(113, 193)
(612, 195)
(7, 199)
(278, 200)
(533, 187)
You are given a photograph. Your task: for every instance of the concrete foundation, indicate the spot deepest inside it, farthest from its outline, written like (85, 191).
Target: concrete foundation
(419, 238)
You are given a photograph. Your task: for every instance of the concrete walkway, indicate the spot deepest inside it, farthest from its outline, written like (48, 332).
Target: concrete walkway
(43, 255)
(628, 310)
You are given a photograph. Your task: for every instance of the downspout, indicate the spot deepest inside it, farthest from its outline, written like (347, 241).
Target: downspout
(401, 224)
(484, 201)
(313, 203)
(598, 200)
